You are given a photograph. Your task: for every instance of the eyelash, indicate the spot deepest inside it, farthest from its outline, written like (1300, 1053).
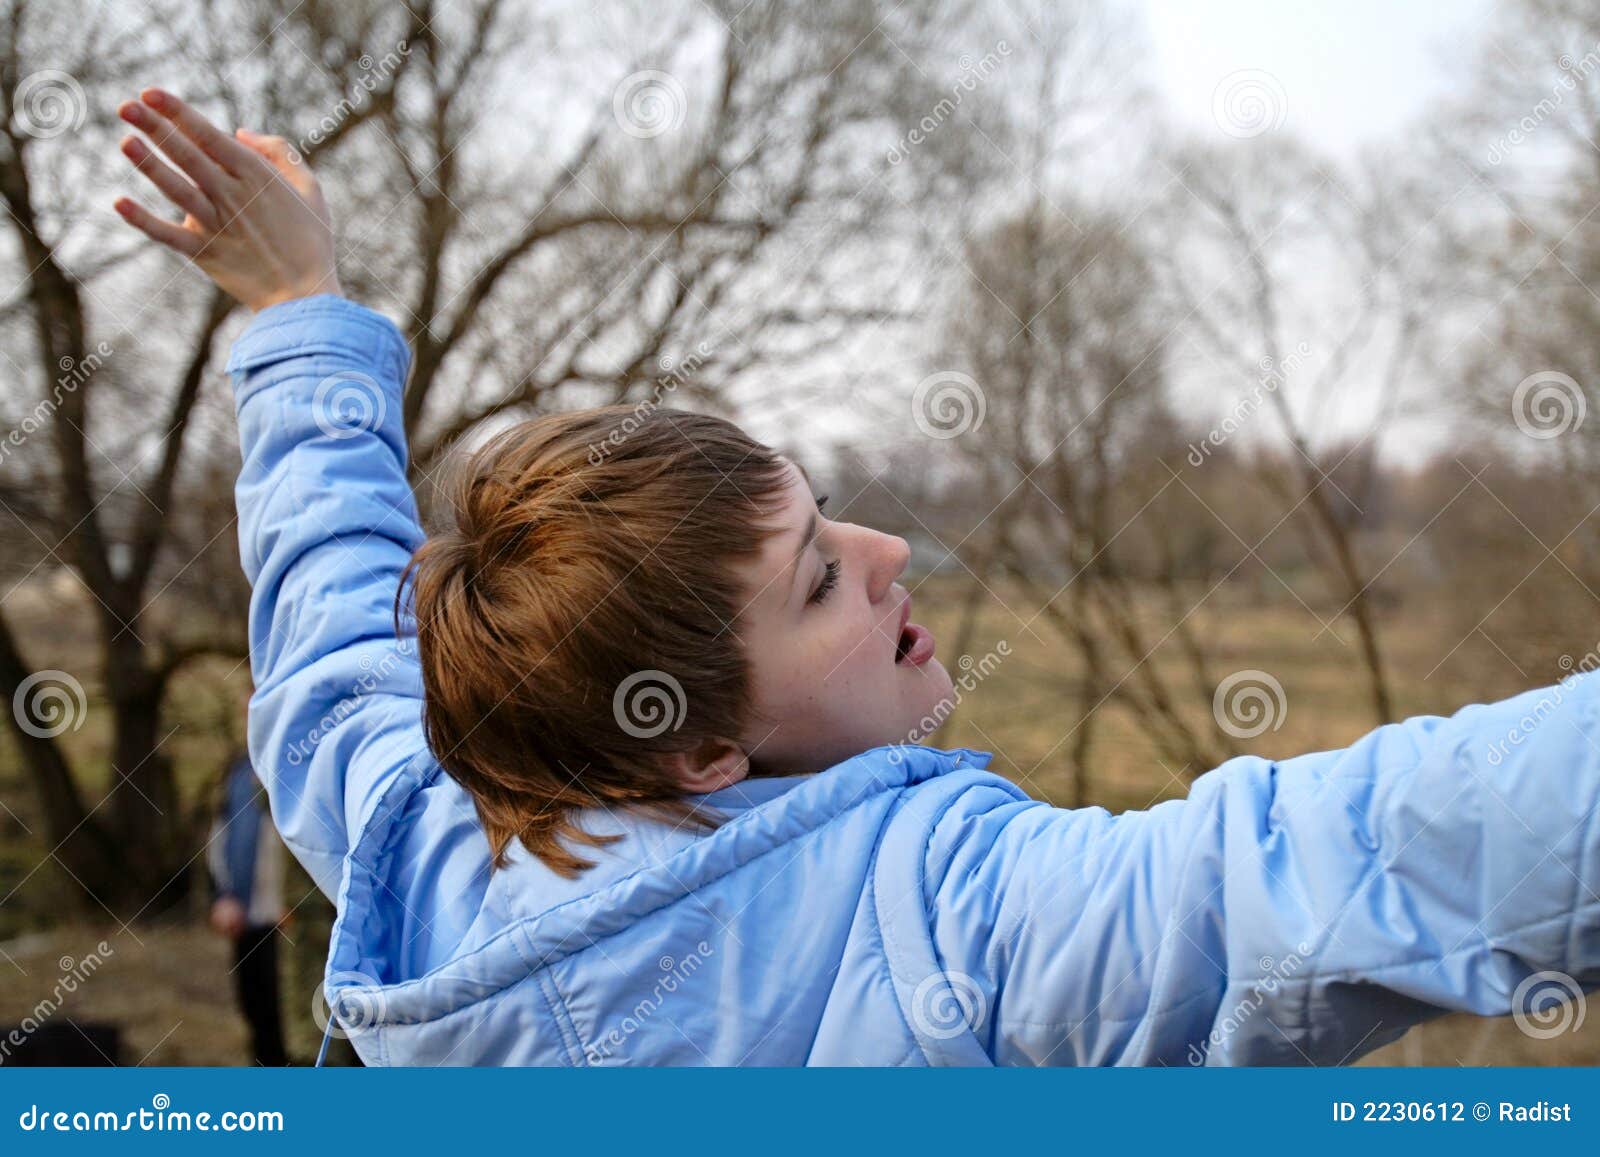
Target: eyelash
(830, 571)
(830, 579)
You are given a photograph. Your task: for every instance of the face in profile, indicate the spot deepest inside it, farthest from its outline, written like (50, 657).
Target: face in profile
(838, 663)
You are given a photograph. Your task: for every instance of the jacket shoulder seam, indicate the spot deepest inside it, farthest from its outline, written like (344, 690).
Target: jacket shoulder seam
(557, 1004)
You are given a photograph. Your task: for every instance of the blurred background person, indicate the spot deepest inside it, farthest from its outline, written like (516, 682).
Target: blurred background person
(246, 862)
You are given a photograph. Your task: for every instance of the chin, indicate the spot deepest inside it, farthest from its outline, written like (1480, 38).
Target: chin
(931, 702)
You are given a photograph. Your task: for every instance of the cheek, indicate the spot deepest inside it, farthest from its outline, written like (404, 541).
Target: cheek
(820, 673)
(854, 679)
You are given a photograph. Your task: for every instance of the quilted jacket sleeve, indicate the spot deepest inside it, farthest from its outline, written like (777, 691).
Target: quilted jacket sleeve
(1296, 912)
(327, 523)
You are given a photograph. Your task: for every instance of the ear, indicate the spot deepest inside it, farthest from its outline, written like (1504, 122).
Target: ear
(716, 763)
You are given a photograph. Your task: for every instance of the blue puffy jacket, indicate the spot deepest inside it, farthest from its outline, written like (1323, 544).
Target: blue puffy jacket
(905, 907)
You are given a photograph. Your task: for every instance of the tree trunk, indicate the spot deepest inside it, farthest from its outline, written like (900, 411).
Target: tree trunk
(144, 813)
(78, 840)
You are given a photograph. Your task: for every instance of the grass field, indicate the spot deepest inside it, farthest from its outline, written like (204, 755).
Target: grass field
(168, 984)
(1024, 712)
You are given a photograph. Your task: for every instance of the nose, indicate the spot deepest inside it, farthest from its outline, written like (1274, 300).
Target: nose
(890, 555)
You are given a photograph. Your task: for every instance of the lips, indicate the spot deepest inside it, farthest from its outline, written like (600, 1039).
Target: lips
(914, 645)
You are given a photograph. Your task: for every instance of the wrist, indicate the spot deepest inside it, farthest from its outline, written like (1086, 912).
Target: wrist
(326, 285)
(270, 347)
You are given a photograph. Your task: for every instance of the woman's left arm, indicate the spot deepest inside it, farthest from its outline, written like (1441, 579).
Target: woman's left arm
(327, 519)
(1297, 912)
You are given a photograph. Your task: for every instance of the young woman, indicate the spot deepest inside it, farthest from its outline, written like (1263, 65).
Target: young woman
(614, 768)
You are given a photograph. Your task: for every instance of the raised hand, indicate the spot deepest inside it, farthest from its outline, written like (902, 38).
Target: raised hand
(255, 219)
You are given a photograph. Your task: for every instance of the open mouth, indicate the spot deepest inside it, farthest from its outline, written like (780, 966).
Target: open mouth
(914, 647)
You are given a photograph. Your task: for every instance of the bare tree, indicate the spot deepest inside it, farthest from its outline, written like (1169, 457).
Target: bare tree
(1241, 225)
(1072, 451)
(696, 216)
(130, 535)
(666, 211)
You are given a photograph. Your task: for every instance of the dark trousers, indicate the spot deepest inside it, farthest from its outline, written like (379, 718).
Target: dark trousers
(255, 972)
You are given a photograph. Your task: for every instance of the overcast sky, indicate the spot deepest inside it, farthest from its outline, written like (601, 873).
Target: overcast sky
(1351, 71)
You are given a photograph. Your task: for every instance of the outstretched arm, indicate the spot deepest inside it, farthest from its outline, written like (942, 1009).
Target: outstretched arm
(1297, 912)
(327, 520)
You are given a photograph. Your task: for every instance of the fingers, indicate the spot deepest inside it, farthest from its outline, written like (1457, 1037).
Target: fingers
(177, 190)
(227, 153)
(183, 152)
(172, 235)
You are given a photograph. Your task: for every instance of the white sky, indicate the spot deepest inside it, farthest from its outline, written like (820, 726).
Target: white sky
(1352, 71)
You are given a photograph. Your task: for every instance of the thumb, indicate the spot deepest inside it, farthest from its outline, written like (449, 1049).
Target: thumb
(280, 153)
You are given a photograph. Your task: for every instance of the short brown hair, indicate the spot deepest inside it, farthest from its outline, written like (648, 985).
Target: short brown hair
(585, 557)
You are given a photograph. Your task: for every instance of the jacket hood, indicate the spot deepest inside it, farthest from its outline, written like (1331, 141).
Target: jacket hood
(525, 920)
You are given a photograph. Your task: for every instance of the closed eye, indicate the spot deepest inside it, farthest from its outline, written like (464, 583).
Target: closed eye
(830, 579)
(830, 571)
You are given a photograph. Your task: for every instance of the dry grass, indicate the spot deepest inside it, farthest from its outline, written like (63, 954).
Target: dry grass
(168, 988)
(1024, 713)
